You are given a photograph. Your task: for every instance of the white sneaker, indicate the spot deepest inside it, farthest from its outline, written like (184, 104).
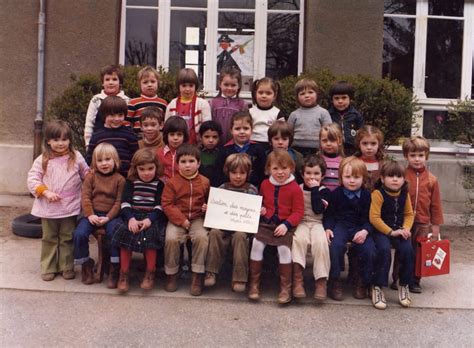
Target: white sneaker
(210, 279)
(378, 298)
(404, 295)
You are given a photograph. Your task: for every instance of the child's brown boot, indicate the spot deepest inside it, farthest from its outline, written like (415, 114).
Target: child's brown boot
(335, 289)
(113, 276)
(148, 281)
(285, 282)
(87, 272)
(171, 282)
(196, 284)
(298, 281)
(123, 283)
(320, 289)
(255, 270)
(359, 291)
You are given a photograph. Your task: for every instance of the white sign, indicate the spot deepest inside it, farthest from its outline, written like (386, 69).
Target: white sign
(232, 211)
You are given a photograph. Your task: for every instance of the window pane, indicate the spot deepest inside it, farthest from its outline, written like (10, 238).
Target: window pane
(446, 8)
(282, 45)
(142, 2)
(189, 3)
(433, 123)
(284, 4)
(443, 58)
(187, 40)
(236, 3)
(398, 49)
(236, 44)
(400, 6)
(140, 37)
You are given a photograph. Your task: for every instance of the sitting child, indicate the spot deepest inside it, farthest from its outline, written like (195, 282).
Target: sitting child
(151, 123)
(210, 133)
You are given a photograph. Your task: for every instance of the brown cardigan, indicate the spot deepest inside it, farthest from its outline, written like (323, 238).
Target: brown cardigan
(102, 193)
(183, 198)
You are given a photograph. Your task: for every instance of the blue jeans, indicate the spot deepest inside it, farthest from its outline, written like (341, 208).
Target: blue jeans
(406, 257)
(81, 239)
(365, 252)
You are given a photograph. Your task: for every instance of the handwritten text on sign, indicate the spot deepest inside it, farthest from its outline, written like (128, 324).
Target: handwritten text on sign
(232, 211)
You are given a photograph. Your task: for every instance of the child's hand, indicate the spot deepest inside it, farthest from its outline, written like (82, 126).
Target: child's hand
(280, 231)
(51, 196)
(396, 233)
(103, 220)
(312, 183)
(434, 232)
(204, 207)
(94, 220)
(329, 236)
(146, 223)
(263, 211)
(406, 234)
(186, 224)
(359, 237)
(133, 225)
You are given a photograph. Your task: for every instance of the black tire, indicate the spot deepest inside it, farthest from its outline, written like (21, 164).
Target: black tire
(27, 226)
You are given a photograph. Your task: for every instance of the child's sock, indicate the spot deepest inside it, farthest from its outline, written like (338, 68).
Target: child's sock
(125, 258)
(150, 256)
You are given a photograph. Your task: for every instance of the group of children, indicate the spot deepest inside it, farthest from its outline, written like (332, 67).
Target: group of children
(152, 165)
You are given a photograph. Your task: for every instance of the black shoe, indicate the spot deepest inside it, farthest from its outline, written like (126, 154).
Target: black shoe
(394, 286)
(416, 288)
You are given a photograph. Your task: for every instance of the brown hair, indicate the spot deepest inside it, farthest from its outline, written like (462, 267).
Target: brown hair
(392, 168)
(188, 150)
(141, 157)
(111, 69)
(357, 165)
(175, 124)
(334, 133)
(274, 85)
(414, 144)
(368, 131)
(234, 74)
(341, 88)
(187, 75)
(154, 113)
(303, 84)
(238, 161)
(241, 116)
(148, 70)
(103, 150)
(282, 128)
(313, 161)
(113, 105)
(57, 130)
(281, 158)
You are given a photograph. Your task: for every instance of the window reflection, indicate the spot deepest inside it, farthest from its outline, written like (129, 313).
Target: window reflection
(284, 4)
(189, 3)
(400, 6)
(142, 2)
(140, 39)
(443, 58)
(398, 49)
(446, 8)
(248, 4)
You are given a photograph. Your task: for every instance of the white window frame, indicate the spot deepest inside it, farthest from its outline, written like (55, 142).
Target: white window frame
(163, 29)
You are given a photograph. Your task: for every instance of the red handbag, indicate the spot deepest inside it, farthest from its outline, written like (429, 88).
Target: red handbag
(432, 257)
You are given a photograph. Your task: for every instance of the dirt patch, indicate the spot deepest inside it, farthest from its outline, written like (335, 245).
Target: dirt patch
(7, 214)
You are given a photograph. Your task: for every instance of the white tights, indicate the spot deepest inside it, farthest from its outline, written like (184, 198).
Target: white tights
(284, 253)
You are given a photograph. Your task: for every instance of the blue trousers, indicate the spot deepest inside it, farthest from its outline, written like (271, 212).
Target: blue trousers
(81, 239)
(406, 256)
(365, 252)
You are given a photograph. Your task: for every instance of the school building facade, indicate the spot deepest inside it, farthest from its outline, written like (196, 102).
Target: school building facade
(425, 44)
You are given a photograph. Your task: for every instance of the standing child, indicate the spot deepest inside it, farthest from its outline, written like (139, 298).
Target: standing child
(310, 231)
(265, 92)
(112, 81)
(237, 167)
(391, 215)
(332, 151)
(143, 226)
(282, 211)
(227, 101)
(308, 119)
(345, 114)
(175, 133)
(151, 123)
(184, 199)
(241, 129)
(347, 220)
(210, 133)
(369, 148)
(101, 197)
(188, 105)
(55, 180)
(115, 133)
(148, 80)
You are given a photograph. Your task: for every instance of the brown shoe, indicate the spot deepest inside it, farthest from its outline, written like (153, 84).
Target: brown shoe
(359, 291)
(320, 289)
(285, 282)
(113, 276)
(148, 281)
(298, 281)
(255, 271)
(171, 282)
(196, 284)
(69, 274)
(47, 277)
(123, 282)
(335, 289)
(238, 286)
(87, 272)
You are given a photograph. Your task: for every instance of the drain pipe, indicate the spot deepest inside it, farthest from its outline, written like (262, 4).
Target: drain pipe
(40, 81)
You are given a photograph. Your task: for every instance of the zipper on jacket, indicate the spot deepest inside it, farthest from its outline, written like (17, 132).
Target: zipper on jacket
(416, 192)
(190, 199)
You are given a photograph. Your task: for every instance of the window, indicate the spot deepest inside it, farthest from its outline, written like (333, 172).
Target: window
(429, 46)
(207, 34)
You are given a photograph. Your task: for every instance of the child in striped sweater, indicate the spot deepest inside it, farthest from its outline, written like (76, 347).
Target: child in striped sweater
(332, 151)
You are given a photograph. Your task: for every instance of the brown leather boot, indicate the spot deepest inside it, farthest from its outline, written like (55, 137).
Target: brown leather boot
(285, 282)
(255, 271)
(196, 284)
(335, 289)
(320, 289)
(298, 281)
(359, 291)
(123, 282)
(172, 282)
(148, 281)
(88, 272)
(113, 276)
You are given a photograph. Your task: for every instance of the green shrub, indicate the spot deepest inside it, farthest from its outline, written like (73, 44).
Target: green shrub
(384, 103)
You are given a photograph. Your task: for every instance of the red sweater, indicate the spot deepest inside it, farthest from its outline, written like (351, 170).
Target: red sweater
(289, 200)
